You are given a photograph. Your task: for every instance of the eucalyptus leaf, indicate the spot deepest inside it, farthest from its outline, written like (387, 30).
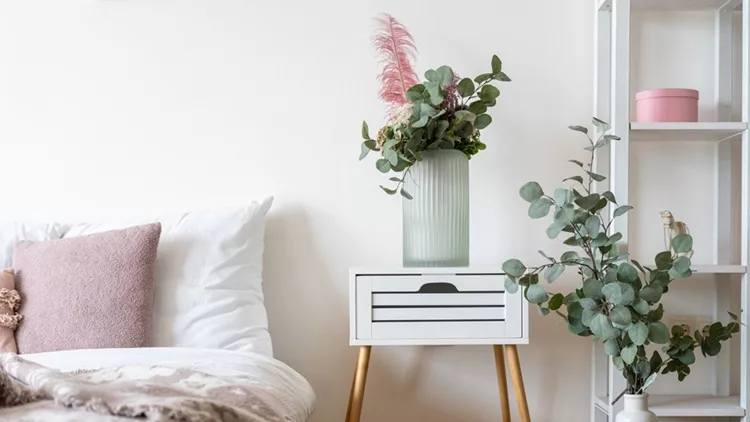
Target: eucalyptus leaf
(578, 128)
(628, 354)
(364, 150)
(619, 293)
(554, 230)
(540, 208)
(465, 115)
(556, 301)
(405, 194)
(611, 347)
(592, 288)
(600, 240)
(596, 177)
(536, 294)
(365, 131)
(554, 272)
(588, 202)
(588, 303)
(497, 65)
(687, 357)
(510, 286)
(627, 273)
(651, 293)
(514, 268)
(658, 333)
(602, 328)
(383, 165)
(569, 257)
(531, 191)
(482, 121)
(593, 224)
(620, 315)
(641, 306)
(681, 264)
(682, 243)
(578, 179)
(478, 107)
(622, 210)
(638, 333)
(663, 260)
(490, 91)
(610, 197)
(588, 315)
(465, 87)
(388, 191)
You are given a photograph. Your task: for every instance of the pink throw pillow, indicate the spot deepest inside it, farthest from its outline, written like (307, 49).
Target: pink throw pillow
(87, 292)
(10, 300)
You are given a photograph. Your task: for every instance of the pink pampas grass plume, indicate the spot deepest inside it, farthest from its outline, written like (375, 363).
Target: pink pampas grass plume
(396, 51)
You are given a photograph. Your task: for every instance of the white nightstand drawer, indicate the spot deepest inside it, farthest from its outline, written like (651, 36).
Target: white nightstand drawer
(435, 309)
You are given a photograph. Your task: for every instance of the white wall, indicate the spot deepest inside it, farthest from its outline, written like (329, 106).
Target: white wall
(110, 106)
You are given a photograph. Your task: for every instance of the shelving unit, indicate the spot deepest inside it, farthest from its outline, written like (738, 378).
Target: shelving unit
(612, 102)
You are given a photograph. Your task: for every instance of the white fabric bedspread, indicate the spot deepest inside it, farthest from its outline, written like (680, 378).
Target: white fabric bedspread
(288, 386)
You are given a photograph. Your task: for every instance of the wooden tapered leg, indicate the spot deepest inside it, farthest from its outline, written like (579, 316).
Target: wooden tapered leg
(502, 382)
(515, 374)
(356, 397)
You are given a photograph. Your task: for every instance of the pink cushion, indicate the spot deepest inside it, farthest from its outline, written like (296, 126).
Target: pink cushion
(9, 318)
(86, 292)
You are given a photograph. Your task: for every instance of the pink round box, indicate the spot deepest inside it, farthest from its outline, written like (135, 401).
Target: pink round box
(667, 105)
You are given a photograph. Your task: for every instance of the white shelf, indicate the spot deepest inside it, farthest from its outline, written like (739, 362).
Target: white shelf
(719, 269)
(688, 405)
(685, 132)
(682, 5)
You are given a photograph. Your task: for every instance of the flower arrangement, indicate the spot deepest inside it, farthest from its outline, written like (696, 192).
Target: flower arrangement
(442, 112)
(618, 300)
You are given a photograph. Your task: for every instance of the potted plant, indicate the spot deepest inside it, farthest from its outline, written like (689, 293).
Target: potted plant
(432, 130)
(618, 300)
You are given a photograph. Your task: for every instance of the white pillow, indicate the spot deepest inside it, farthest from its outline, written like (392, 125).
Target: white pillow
(208, 278)
(11, 232)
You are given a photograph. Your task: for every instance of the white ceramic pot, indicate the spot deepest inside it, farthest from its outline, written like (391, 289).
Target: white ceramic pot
(636, 409)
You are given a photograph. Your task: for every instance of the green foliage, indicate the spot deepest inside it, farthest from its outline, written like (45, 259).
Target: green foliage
(442, 112)
(618, 301)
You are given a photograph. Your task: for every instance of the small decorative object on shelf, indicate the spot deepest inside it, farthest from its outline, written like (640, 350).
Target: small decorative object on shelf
(636, 409)
(432, 130)
(618, 301)
(667, 105)
(673, 228)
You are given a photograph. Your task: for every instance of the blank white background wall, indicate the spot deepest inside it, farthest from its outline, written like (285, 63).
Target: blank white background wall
(110, 107)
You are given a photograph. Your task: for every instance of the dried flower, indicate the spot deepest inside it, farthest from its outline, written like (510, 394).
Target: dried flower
(450, 95)
(401, 115)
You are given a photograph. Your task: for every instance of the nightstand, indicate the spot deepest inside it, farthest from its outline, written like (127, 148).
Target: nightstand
(437, 306)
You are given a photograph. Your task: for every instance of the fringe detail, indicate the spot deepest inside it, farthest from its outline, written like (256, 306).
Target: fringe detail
(10, 298)
(10, 321)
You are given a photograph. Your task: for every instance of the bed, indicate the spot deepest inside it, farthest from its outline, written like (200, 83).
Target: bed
(208, 356)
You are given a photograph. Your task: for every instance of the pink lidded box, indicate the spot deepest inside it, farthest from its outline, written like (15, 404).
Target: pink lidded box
(667, 105)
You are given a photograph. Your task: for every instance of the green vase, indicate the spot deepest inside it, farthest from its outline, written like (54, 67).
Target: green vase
(436, 220)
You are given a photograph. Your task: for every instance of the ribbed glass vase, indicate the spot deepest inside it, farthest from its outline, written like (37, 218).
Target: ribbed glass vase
(436, 220)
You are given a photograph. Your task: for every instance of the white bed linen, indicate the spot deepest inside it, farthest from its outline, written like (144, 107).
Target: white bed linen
(292, 388)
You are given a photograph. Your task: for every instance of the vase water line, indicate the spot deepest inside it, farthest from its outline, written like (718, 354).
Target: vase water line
(636, 409)
(436, 220)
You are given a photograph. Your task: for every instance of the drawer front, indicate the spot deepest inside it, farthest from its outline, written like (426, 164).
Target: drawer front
(436, 307)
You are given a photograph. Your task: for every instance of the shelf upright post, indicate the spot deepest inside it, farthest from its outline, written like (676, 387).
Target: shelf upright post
(620, 150)
(745, 217)
(602, 100)
(724, 203)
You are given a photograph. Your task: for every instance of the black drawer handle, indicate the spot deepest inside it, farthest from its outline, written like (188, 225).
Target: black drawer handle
(438, 288)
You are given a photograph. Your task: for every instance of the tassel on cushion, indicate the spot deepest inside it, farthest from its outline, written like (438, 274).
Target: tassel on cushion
(10, 302)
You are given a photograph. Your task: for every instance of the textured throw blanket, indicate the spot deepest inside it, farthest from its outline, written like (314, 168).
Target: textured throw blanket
(30, 392)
